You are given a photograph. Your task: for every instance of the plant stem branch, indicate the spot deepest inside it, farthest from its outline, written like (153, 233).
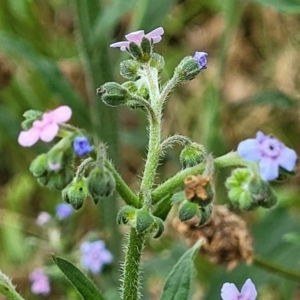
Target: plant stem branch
(267, 265)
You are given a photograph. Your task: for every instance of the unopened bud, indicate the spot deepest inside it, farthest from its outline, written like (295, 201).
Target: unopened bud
(39, 166)
(101, 183)
(157, 62)
(192, 155)
(188, 210)
(129, 69)
(113, 94)
(76, 192)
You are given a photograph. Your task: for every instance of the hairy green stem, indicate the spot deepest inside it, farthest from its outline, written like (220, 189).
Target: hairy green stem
(122, 188)
(131, 272)
(290, 274)
(171, 140)
(7, 289)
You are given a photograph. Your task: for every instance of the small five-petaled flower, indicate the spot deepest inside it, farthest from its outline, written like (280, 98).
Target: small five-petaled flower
(270, 153)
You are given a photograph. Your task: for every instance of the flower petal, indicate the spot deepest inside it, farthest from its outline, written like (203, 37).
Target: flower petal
(29, 137)
(156, 32)
(49, 133)
(287, 159)
(122, 45)
(61, 114)
(248, 291)
(248, 149)
(229, 291)
(268, 169)
(135, 36)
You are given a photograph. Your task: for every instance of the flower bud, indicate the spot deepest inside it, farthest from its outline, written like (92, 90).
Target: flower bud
(188, 210)
(192, 155)
(101, 183)
(39, 166)
(129, 69)
(113, 94)
(144, 220)
(187, 69)
(76, 192)
(157, 62)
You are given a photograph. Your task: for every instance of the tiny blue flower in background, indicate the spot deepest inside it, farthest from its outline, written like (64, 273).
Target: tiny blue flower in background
(82, 146)
(40, 283)
(64, 211)
(43, 218)
(201, 58)
(94, 256)
(270, 153)
(230, 292)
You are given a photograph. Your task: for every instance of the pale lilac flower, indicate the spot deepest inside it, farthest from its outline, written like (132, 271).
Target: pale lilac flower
(94, 256)
(201, 58)
(230, 292)
(54, 166)
(137, 36)
(64, 211)
(45, 128)
(81, 146)
(270, 153)
(40, 283)
(43, 218)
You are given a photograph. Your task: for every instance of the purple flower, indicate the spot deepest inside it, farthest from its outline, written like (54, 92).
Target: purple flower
(40, 283)
(230, 292)
(43, 218)
(81, 146)
(46, 128)
(94, 256)
(201, 58)
(270, 153)
(137, 36)
(64, 211)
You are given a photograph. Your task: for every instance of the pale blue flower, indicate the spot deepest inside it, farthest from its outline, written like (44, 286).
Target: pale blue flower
(270, 153)
(94, 256)
(64, 211)
(230, 292)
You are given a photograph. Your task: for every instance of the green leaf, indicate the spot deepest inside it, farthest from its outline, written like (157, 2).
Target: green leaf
(178, 283)
(82, 284)
(287, 6)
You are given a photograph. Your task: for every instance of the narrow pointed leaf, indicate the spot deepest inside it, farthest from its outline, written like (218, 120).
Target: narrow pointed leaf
(84, 286)
(178, 283)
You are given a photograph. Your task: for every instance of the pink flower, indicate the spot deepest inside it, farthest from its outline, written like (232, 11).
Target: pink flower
(46, 128)
(230, 292)
(40, 282)
(137, 36)
(43, 218)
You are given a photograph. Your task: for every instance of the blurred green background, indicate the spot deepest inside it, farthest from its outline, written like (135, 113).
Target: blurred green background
(57, 52)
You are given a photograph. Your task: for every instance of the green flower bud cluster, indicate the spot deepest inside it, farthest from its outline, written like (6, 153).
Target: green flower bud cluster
(192, 155)
(247, 191)
(141, 219)
(55, 169)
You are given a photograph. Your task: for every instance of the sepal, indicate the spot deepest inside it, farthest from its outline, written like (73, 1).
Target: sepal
(188, 210)
(129, 69)
(127, 215)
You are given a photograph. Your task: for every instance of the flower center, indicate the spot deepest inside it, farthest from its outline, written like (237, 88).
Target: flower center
(271, 147)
